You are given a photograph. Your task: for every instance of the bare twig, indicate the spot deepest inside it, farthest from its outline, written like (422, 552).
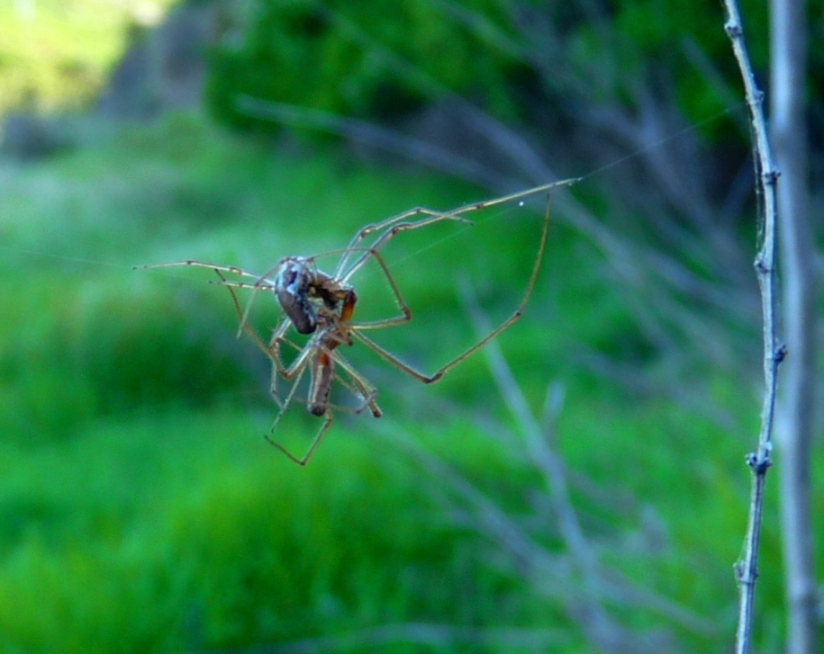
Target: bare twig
(746, 569)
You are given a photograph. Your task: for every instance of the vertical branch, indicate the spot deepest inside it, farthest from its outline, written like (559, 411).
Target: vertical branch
(788, 132)
(746, 568)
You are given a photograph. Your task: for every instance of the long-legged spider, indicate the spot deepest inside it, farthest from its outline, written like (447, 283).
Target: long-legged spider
(322, 305)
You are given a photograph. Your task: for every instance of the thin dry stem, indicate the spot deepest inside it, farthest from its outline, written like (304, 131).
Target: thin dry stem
(746, 569)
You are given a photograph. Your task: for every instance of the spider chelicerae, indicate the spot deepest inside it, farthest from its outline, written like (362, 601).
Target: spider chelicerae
(322, 306)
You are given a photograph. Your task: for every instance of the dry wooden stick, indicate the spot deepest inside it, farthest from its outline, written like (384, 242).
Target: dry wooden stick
(746, 568)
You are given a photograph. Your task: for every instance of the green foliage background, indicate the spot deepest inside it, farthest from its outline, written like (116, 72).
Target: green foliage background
(374, 59)
(381, 59)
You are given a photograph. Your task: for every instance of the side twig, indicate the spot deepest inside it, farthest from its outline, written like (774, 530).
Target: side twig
(746, 569)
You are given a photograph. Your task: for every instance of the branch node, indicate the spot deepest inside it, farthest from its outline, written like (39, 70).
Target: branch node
(744, 575)
(759, 463)
(771, 177)
(780, 353)
(733, 29)
(761, 266)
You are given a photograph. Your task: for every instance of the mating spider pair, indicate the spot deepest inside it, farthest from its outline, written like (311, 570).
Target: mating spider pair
(322, 306)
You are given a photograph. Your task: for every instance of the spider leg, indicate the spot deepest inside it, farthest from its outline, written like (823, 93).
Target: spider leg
(259, 287)
(356, 385)
(290, 396)
(225, 282)
(272, 351)
(364, 388)
(323, 375)
(390, 224)
(324, 428)
(429, 379)
(202, 264)
(244, 326)
(318, 437)
(293, 372)
(346, 313)
(406, 312)
(288, 372)
(312, 351)
(262, 282)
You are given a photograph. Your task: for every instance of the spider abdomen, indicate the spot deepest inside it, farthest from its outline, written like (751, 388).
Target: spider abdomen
(323, 374)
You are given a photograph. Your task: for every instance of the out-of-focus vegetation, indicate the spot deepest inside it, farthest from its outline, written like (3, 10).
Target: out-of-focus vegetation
(357, 59)
(141, 509)
(55, 54)
(381, 59)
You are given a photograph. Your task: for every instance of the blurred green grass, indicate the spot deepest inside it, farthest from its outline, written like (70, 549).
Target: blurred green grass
(140, 508)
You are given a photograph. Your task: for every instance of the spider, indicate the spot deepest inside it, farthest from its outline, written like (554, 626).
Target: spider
(321, 305)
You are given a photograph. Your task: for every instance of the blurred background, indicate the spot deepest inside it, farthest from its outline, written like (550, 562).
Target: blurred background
(577, 486)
